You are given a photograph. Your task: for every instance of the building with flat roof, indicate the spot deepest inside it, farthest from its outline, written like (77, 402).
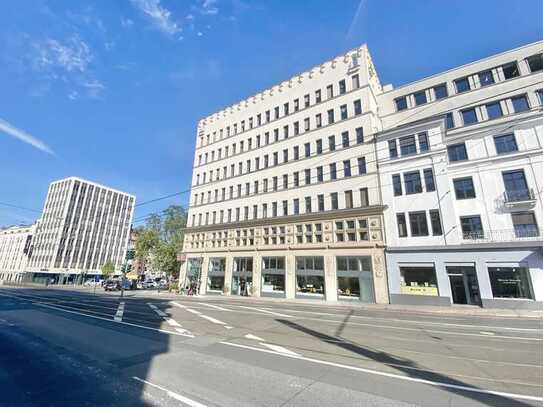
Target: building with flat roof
(83, 225)
(15, 250)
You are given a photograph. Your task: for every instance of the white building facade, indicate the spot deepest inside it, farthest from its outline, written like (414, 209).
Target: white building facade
(461, 170)
(285, 199)
(83, 225)
(15, 250)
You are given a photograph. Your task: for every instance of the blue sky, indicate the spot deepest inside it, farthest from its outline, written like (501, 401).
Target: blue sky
(111, 90)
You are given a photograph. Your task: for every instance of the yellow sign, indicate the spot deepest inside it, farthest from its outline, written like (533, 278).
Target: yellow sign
(418, 290)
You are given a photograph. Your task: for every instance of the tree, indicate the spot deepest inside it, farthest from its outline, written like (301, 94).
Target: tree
(147, 239)
(108, 269)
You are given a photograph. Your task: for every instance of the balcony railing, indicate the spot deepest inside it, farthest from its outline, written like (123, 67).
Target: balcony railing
(519, 234)
(519, 196)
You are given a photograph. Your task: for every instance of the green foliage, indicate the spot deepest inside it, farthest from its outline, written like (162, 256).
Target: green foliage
(108, 269)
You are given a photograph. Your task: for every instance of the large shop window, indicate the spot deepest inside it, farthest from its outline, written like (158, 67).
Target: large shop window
(242, 276)
(355, 278)
(510, 282)
(418, 280)
(310, 276)
(273, 276)
(215, 274)
(192, 278)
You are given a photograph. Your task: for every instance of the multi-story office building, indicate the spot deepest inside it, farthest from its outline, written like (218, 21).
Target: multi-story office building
(15, 244)
(285, 198)
(292, 187)
(461, 170)
(83, 225)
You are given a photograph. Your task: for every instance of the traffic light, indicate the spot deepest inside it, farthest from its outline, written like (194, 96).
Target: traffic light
(130, 254)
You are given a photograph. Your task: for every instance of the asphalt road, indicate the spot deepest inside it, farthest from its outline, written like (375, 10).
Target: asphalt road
(72, 348)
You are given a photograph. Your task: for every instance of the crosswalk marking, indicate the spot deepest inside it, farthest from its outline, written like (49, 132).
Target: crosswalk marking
(172, 322)
(265, 311)
(279, 349)
(119, 314)
(206, 317)
(215, 306)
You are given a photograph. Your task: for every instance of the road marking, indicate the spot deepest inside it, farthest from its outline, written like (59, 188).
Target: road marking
(251, 336)
(214, 306)
(176, 396)
(177, 304)
(184, 332)
(39, 304)
(391, 375)
(193, 311)
(228, 327)
(487, 333)
(172, 322)
(277, 314)
(119, 314)
(211, 319)
(279, 349)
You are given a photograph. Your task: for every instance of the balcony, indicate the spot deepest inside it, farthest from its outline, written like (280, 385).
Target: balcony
(518, 234)
(516, 197)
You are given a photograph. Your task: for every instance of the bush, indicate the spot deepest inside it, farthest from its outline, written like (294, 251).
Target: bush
(174, 286)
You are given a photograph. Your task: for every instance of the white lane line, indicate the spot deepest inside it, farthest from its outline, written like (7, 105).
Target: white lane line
(119, 314)
(173, 322)
(176, 396)
(211, 319)
(177, 304)
(214, 306)
(193, 311)
(254, 337)
(277, 314)
(391, 375)
(487, 333)
(279, 349)
(39, 304)
(228, 327)
(184, 332)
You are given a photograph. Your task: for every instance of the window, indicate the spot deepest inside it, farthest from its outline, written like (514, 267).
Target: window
(472, 228)
(246, 213)
(429, 180)
(320, 177)
(359, 135)
(423, 142)
(392, 148)
(435, 221)
(364, 197)
(275, 158)
(535, 62)
(318, 97)
(343, 112)
(330, 116)
(420, 98)
(329, 91)
(273, 276)
(307, 173)
(402, 225)
(310, 276)
(318, 120)
(356, 81)
(401, 103)
(306, 124)
(306, 100)
(525, 224)
(320, 202)
(285, 155)
(510, 70)
(397, 184)
(486, 78)
(408, 145)
(457, 152)
(296, 105)
(348, 199)
(296, 153)
(357, 107)
(266, 161)
(540, 94)
(494, 110)
(319, 146)
(307, 204)
(332, 143)
(362, 165)
(345, 139)
(520, 104)
(333, 171)
(285, 131)
(276, 112)
(412, 182)
(440, 91)
(449, 120)
(347, 168)
(296, 206)
(285, 181)
(510, 282)
(462, 85)
(463, 188)
(418, 223)
(285, 108)
(274, 209)
(505, 143)
(516, 187)
(274, 183)
(296, 176)
(285, 208)
(342, 87)
(307, 148)
(333, 200)
(469, 116)
(416, 280)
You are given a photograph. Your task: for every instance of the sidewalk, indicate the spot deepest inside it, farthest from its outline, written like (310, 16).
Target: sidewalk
(458, 310)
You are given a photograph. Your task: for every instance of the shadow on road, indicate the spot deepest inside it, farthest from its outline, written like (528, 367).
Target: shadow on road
(52, 357)
(407, 366)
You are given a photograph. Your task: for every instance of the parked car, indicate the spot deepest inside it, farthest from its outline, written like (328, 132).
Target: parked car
(163, 284)
(150, 284)
(91, 283)
(139, 285)
(112, 285)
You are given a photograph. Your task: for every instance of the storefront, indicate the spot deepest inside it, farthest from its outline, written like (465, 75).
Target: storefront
(273, 277)
(192, 277)
(355, 278)
(215, 275)
(242, 276)
(310, 277)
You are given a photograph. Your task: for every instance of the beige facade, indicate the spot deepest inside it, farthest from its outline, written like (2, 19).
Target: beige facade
(15, 243)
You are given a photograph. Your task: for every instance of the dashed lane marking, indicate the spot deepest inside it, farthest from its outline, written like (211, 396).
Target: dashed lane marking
(251, 336)
(214, 306)
(279, 349)
(206, 317)
(193, 311)
(172, 322)
(277, 314)
(119, 314)
(211, 319)
(173, 395)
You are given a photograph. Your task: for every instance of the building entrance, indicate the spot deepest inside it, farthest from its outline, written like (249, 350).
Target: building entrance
(464, 285)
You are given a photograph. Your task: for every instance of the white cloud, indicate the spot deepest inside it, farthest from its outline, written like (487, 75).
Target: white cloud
(159, 15)
(200, 34)
(189, 17)
(209, 7)
(73, 55)
(23, 136)
(126, 22)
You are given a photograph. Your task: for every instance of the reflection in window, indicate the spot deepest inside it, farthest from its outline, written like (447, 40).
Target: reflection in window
(510, 282)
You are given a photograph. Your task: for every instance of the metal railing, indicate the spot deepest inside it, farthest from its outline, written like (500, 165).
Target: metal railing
(519, 195)
(503, 235)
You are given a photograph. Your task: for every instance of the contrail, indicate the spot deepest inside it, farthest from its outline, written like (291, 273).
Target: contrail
(355, 19)
(24, 137)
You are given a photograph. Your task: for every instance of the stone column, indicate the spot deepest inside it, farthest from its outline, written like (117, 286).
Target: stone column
(290, 276)
(229, 266)
(330, 278)
(203, 275)
(379, 276)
